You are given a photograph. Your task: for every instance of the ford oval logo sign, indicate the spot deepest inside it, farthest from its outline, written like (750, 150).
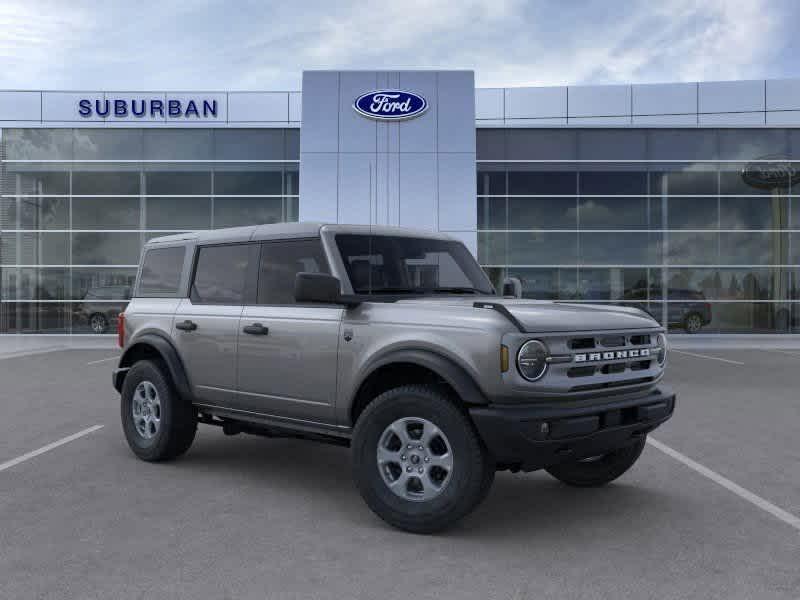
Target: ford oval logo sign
(390, 105)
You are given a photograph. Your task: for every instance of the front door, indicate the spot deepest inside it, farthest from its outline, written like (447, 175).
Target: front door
(287, 357)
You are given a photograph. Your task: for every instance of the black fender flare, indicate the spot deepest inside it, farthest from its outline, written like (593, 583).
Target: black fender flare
(166, 350)
(455, 375)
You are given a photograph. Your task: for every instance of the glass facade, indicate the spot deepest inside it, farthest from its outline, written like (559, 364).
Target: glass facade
(76, 206)
(669, 220)
(700, 227)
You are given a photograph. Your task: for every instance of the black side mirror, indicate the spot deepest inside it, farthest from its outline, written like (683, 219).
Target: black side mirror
(317, 287)
(512, 286)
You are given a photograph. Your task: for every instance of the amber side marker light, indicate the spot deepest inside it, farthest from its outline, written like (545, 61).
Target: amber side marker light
(121, 330)
(504, 358)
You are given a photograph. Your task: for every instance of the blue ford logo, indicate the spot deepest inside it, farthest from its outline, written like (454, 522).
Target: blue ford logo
(390, 105)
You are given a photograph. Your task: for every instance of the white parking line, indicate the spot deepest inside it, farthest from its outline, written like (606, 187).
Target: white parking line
(725, 360)
(102, 360)
(729, 485)
(43, 449)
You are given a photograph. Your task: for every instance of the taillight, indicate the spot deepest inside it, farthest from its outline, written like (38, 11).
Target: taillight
(121, 330)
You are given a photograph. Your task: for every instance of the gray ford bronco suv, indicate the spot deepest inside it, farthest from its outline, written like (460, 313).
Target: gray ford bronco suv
(392, 342)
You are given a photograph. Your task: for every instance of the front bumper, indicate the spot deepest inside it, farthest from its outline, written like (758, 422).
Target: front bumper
(535, 436)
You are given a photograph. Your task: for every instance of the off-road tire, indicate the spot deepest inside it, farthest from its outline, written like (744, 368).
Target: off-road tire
(602, 470)
(178, 419)
(472, 472)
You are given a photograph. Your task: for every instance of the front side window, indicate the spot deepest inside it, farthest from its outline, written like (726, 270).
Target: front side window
(219, 276)
(383, 264)
(161, 272)
(280, 264)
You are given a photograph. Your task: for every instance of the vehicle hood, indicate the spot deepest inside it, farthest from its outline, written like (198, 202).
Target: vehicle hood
(540, 316)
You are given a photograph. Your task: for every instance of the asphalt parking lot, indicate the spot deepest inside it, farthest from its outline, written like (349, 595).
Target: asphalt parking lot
(247, 517)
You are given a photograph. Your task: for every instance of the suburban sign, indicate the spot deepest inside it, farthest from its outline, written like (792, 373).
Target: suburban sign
(200, 108)
(390, 105)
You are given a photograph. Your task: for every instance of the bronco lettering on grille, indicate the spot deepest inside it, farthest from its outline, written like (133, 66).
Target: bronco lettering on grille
(615, 355)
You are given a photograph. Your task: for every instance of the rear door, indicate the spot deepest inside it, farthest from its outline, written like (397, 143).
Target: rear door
(206, 324)
(288, 352)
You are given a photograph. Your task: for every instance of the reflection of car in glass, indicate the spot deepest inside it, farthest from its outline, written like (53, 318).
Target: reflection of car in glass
(691, 311)
(96, 310)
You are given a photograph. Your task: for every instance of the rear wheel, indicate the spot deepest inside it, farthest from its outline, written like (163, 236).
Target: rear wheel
(598, 470)
(417, 460)
(98, 323)
(158, 423)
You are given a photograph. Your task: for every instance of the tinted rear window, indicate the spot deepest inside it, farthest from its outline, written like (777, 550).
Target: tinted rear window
(161, 271)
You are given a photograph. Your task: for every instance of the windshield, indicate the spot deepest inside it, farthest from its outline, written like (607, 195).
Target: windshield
(383, 264)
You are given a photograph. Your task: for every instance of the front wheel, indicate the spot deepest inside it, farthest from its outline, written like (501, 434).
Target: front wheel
(693, 323)
(98, 323)
(418, 461)
(598, 470)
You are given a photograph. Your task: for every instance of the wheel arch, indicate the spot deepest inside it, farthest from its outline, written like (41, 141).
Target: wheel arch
(402, 367)
(155, 346)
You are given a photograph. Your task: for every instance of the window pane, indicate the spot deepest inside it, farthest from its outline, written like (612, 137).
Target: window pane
(693, 284)
(249, 144)
(754, 248)
(163, 183)
(493, 213)
(35, 284)
(547, 284)
(613, 284)
(692, 248)
(490, 144)
(178, 144)
(751, 317)
(280, 264)
(620, 248)
(105, 182)
(751, 143)
(33, 317)
(542, 212)
(107, 144)
(682, 144)
(491, 182)
(232, 212)
(220, 274)
(542, 248)
(36, 183)
(493, 248)
(105, 248)
(178, 213)
(540, 144)
(161, 271)
(105, 213)
(243, 183)
(34, 248)
(613, 144)
(42, 213)
(103, 284)
(691, 198)
(38, 144)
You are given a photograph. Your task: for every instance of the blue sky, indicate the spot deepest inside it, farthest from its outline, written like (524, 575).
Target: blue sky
(193, 45)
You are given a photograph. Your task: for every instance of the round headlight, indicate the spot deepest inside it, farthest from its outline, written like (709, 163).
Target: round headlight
(661, 349)
(532, 360)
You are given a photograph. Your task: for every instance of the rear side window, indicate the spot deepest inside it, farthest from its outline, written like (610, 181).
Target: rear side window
(280, 264)
(161, 271)
(219, 276)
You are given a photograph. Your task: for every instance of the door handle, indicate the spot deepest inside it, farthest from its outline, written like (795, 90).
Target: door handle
(186, 325)
(256, 329)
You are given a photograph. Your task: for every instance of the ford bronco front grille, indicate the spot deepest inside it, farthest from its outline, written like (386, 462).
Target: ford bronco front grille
(583, 362)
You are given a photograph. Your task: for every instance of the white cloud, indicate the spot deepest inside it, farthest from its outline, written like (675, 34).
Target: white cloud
(258, 45)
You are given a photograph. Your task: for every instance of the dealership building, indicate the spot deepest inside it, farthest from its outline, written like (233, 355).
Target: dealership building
(682, 199)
